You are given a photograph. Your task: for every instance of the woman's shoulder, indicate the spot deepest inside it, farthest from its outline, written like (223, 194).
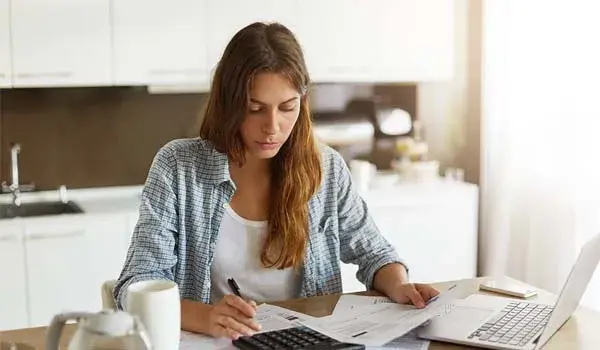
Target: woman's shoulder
(191, 155)
(333, 164)
(186, 147)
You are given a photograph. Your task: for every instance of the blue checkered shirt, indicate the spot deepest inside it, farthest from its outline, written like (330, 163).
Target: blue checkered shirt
(182, 204)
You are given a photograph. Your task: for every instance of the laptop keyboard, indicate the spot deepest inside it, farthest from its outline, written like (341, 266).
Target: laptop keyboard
(516, 324)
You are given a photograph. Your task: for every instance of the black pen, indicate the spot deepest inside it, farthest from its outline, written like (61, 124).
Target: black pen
(234, 287)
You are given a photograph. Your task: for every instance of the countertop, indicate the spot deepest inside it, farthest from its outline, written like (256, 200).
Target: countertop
(126, 199)
(99, 200)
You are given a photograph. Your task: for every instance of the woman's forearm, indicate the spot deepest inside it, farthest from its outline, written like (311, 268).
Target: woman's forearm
(389, 277)
(194, 315)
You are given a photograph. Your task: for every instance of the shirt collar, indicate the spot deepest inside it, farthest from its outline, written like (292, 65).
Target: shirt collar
(219, 168)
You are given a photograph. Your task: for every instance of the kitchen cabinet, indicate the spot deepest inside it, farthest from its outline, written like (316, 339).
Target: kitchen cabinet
(335, 36)
(13, 285)
(433, 227)
(412, 40)
(61, 43)
(223, 23)
(159, 42)
(5, 66)
(68, 258)
(377, 41)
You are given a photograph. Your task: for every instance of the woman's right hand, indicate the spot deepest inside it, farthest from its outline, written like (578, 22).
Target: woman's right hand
(232, 317)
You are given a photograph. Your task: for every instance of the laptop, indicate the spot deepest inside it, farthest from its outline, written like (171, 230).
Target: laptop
(496, 322)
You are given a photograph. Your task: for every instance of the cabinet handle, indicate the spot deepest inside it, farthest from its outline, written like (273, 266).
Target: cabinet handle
(8, 238)
(61, 74)
(50, 235)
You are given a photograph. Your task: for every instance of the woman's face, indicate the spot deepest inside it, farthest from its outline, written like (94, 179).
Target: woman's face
(272, 110)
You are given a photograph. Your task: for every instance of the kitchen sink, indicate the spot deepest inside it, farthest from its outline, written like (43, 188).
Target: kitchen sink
(8, 211)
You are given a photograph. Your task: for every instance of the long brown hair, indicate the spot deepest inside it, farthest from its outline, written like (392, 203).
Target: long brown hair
(296, 169)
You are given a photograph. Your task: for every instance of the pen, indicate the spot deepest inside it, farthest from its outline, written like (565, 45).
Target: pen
(234, 287)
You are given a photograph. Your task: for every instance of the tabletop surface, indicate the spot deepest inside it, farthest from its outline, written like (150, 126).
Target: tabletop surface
(581, 331)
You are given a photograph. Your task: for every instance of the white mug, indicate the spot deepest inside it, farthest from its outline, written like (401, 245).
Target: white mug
(157, 304)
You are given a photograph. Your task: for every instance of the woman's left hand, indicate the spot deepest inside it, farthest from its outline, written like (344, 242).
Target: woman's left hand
(413, 293)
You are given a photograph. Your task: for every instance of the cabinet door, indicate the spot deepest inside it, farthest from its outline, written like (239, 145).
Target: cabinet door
(433, 229)
(412, 40)
(13, 290)
(377, 41)
(223, 22)
(336, 36)
(60, 43)
(159, 41)
(67, 261)
(5, 69)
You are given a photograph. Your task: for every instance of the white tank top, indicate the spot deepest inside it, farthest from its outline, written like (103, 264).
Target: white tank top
(237, 256)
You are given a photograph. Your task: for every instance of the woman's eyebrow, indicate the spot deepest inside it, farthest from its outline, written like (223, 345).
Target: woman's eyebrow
(253, 100)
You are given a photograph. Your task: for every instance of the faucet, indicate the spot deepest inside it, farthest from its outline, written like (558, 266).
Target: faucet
(15, 188)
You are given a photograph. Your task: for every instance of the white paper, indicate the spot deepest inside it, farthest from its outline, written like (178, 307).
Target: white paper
(378, 324)
(193, 341)
(352, 304)
(270, 318)
(409, 341)
(349, 303)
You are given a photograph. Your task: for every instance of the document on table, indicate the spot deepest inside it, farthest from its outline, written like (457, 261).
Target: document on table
(380, 323)
(348, 304)
(270, 317)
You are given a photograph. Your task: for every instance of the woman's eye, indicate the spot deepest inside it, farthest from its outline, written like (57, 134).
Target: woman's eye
(288, 108)
(254, 109)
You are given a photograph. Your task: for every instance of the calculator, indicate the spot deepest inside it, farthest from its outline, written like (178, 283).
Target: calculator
(292, 338)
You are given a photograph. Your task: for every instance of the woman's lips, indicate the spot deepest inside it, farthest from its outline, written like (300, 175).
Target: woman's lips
(267, 146)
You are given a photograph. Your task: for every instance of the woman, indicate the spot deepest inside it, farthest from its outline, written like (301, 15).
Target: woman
(256, 199)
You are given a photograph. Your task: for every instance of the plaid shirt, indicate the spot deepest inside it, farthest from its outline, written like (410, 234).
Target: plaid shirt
(182, 205)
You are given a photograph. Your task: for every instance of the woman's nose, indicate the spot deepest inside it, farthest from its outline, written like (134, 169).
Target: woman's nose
(270, 126)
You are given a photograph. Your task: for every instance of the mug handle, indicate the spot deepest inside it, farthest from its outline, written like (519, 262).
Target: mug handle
(56, 327)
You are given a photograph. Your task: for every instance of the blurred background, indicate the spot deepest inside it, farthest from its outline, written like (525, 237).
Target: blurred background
(470, 128)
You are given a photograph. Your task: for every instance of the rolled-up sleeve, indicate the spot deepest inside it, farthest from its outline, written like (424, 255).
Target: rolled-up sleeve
(361, 243)
(151, 254)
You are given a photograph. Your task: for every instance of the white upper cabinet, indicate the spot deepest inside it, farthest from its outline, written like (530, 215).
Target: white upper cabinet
(226, 17)
(159, 42)
(336, 36)
(61, 43)
(377, 41)
(412, 40)
(5, 69)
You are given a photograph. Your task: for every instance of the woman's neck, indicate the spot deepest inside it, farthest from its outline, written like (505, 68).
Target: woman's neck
(253, 171)
(252, 168)
(253, 186)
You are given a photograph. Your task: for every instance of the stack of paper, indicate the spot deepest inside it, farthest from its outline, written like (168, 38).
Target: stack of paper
(376, 323)
(348, 304)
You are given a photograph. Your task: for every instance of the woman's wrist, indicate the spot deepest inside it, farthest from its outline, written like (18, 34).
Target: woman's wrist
(390, 277)
(194, 316)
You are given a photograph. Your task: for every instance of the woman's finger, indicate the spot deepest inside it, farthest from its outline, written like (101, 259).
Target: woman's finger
(233, 324)
(238, 316)
(414, 296)
(240, 304)
(221, 331)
